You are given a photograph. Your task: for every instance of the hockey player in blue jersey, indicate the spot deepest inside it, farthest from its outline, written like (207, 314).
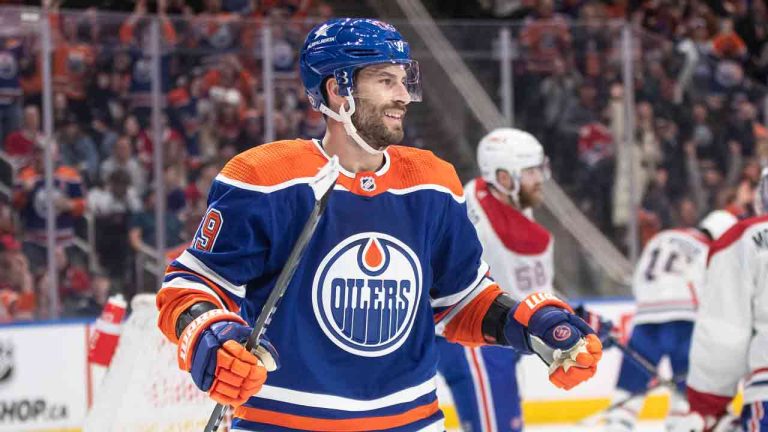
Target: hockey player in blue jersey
(393, 260)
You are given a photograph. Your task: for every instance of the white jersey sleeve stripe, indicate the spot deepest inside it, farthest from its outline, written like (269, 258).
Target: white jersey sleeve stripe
(317, 400)
(188, 260)
(440, 326)
(452, 299)
(180, 282)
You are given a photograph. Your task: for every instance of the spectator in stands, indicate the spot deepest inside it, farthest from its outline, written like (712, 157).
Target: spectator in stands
(123, 159)
(578, 113)
(701, 132)
(217, 30)
(174, 150)
(11, 53)
(18, 300)
(727, 44)
(74, 57)
(741, 128)
(19, 145)
(184, 115)
(106, 110)
(174, 181)
(141, 234)
(251, 131)
(686, 213)
(196, 192)
(90, 301)
(31, 200)
(134, 35)
(78, 149)
(112, 209)
(132, 130)
(656, 199)
(556, 93)
(74, 285)
(545, 36)
(222, 124)
(592, 40)
(227, 75)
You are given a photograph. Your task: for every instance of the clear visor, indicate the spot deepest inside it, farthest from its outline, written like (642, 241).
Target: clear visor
(538, 173)
(393, 81)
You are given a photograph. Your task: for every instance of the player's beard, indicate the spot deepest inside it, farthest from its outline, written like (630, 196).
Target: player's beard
(369, 121)
(530, 196)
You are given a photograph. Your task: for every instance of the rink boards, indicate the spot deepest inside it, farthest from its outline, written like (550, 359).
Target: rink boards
(46, 383)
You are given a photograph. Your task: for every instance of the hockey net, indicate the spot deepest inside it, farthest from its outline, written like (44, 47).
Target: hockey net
(143, 389)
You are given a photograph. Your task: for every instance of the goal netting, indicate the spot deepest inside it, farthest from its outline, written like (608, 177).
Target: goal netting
(143, 389)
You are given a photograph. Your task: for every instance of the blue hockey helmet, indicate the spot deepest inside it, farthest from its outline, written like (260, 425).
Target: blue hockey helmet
(340, 46)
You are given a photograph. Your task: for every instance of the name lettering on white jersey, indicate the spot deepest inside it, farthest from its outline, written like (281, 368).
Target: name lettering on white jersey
(366, 292)
(761, 239)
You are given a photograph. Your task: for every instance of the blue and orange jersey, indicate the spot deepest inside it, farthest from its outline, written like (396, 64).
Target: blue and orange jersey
(394, 260)
(32, 202)
(11, 51)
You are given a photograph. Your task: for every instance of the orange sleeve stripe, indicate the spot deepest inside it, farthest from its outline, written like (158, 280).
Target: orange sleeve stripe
(172, 302)
(275, 163)
(68, 173)
(78, 206)
(228, 302)
(168, 31)
(26, 174)
(298, 422)
(126, 32)
(466, 327)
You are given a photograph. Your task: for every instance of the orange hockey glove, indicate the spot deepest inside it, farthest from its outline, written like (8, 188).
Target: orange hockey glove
(211, 349)
(566, 343)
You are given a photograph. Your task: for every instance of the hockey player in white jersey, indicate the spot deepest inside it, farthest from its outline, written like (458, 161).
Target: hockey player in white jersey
(519, 251)
(730, 339)
(666, 286)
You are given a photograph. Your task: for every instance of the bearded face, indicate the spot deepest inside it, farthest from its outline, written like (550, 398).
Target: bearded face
(380, 125)
(531, 193)
(380, 104)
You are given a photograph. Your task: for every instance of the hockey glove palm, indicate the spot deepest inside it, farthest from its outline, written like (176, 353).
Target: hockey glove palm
(565, 342)
(211, 350)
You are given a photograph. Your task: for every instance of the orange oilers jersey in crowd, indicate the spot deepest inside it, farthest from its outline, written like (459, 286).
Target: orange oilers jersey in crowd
(394, 260)
(31, 198)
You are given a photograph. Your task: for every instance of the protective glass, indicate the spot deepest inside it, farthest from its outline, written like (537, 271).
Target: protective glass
(536, 173)
(411, 81)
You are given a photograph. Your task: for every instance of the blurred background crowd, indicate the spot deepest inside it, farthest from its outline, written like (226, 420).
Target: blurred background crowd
(698, 131)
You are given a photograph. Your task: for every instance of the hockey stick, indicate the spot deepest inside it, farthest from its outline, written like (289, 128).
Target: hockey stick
(649, 368)
(618, 404)
(321, 185)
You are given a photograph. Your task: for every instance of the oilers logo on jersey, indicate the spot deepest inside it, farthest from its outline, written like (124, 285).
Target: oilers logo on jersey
(365, 294)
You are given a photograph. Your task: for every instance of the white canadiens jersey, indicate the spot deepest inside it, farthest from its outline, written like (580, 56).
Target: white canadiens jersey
(669, 276)
(730, 339)
(518, 250)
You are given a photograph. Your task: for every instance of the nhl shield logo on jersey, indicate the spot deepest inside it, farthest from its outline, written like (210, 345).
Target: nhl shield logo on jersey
(366, 292)
(368, 184)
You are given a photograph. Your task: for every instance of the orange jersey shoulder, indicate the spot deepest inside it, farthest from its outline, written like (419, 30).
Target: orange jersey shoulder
(414, 167)
(275, 163)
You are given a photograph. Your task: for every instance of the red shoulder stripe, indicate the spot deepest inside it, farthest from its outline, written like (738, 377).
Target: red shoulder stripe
(733, 234)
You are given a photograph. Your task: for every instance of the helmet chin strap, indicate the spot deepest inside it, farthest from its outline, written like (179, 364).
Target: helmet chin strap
(513, 194)
(344, 116)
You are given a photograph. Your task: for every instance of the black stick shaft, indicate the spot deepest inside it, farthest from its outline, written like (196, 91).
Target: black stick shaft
(270, 306)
